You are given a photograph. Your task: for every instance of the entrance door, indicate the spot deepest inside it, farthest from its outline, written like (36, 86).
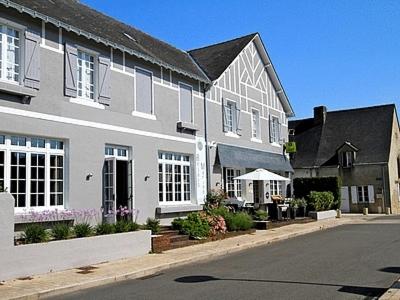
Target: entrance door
(345, 205)
(109, 189)
(122, 185)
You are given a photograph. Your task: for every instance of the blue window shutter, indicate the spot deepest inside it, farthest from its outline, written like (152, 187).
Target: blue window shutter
(104, 80)
(32, 60)
(70, 70)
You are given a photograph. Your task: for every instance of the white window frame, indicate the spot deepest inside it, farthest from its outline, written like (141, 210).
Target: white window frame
(255, 128)
(163, 161)
(347, 159)
(364, 194)
(275, 187)
(135, 112)
(275, 130)
(95, 56)
(28, 150)
(4, 24)
(192, 100)
(232, 185)
(117, 152)
(230, 105)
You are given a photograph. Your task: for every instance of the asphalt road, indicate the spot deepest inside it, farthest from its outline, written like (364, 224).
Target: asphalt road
(347, 262)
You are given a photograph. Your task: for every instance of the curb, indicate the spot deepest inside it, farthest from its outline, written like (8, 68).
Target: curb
(393, 292)
(156, 269)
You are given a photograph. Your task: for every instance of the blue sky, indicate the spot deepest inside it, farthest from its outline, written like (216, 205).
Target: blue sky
(341, 54)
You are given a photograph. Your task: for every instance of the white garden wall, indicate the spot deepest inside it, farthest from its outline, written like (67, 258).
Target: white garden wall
(27, 260)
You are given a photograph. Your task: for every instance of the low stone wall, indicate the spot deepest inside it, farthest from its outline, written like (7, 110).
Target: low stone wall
(32, 259)
(322, 215)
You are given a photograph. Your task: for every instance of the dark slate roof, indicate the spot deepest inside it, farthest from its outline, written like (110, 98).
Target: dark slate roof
(78, 15)
(369, 129)
(215, 59)
(239, 157)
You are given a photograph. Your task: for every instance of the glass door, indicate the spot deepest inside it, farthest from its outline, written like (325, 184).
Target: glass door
(109, 189)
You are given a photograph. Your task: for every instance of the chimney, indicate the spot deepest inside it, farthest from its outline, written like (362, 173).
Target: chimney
(319, 115)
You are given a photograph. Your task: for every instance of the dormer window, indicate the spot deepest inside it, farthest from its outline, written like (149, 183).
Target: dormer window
(347, 159)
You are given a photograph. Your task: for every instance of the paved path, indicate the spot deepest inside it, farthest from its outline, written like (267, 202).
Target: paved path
(357, 261)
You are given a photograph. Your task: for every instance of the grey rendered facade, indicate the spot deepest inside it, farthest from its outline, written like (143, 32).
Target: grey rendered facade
(114, 131)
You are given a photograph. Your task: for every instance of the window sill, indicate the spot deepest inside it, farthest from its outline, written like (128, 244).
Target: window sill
(87, 102)
(256, 140)
(231, 134)
(176, 208)
(143, 115)
(17, 89)
(187, 126)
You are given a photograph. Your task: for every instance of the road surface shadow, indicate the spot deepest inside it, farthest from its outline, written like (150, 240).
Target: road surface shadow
(359, 290)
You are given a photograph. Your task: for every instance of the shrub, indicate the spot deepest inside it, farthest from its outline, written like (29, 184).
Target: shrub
(177, 224)
(261, 215)
(214, 199)
(220, 211)
(35, 233)
(217, 224)
(303, 186)
(83, 230)
(321, 200)
(121, 226)
(196, 226)
(132, 226)
(104, 228)
(60, 231)
(239, 221)
(153, 225)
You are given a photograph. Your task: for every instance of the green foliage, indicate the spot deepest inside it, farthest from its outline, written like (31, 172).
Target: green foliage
(153, 225)
(214, 199)
(104, 228)
(261, 215)
(133, 226)
(238, 221)
(196, 226)
(220, 211)
(121, 226)
(35, 233)
(321, 200)
(61, 231)
(177, 224)
(83, 230)
(303, 186)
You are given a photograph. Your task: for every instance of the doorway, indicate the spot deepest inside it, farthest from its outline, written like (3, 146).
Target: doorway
(256, 192)
(117, 182)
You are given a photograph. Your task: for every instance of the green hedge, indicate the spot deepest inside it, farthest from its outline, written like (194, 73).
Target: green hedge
(303, 186)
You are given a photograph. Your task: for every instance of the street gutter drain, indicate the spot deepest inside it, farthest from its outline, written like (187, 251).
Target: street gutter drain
(25, 278)
(86, 269)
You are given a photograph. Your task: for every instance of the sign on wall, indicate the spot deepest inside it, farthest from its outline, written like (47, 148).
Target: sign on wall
(201, 171)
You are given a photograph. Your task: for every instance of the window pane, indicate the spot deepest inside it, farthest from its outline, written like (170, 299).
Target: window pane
(85, 75)
(18, 141)
(2, 139)
(56, 145)
(37, 143)
(143, 92)
(56, 180)
(18, 175)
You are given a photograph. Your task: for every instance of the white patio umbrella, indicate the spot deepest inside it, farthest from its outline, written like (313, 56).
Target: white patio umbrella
(261, 174)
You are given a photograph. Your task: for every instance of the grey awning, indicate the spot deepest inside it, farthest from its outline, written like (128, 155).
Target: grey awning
(238, 157)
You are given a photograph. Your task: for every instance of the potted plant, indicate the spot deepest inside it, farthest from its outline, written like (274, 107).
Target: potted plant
(293, 206)
(260, 219)
(301, 207)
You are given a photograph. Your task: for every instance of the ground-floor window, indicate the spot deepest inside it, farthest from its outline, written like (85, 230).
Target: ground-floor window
(363, 194)
(32, 170)
(276, 187)
(174, 178)
(233, 188)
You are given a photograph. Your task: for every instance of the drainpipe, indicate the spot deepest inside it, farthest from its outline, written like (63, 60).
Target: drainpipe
(208, 173)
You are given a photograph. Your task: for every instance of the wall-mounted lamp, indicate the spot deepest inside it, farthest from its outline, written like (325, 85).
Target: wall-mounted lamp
(213, 144)
(250, 184)
(147, 177)
(88, 176)
(217, 184)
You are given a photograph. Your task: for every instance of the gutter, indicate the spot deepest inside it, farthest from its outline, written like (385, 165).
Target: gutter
(208, 166)
(98, 39)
